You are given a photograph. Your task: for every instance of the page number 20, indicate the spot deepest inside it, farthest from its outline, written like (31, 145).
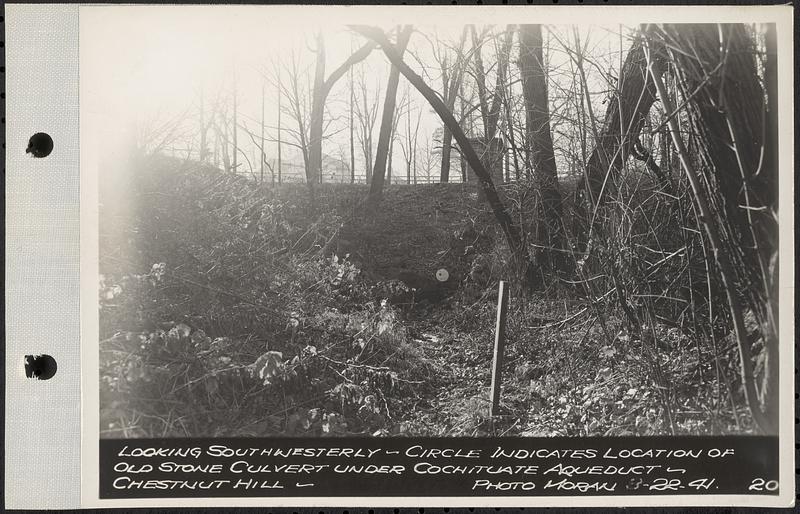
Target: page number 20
(759, 484)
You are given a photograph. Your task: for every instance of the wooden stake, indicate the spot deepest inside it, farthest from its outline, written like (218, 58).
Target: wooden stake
(499, 348)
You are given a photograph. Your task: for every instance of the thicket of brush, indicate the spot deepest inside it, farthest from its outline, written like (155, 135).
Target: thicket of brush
(221, 316)
(228, 309)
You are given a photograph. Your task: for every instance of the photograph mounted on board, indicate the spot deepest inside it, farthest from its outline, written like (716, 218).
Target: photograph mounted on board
(304, 228)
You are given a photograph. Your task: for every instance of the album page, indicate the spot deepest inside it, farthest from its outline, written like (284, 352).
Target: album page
(419, 256)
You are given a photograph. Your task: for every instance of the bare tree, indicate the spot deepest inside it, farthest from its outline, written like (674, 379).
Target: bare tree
(388, 120)
(295, 100)
(627, 109)
(205, 125)
(452, 71)
(323, 86)
(279, 141)
(490, 101)
(462, 103)
(428, 161)
(296, 93)
(513, 234)
(624, 118)
(161, 131)
(366, 114)
(408, 143)
(258, 143)
(235, 127)
(222, 120)
(393, 136)
(352, 122)
(263, 159)
(539, 144)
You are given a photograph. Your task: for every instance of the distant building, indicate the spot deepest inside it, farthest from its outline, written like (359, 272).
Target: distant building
(335, 170)
(293, 169)
(491, 156)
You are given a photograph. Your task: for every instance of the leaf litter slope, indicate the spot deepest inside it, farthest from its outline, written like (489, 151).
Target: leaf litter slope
(227, 309)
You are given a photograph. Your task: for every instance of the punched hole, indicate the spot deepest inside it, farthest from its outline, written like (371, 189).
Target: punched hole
(40, 145)
(40, 367)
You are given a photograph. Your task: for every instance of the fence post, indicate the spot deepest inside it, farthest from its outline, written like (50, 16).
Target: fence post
(499, 348)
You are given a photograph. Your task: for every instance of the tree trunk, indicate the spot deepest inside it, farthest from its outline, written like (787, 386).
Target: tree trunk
(367, 149)
(769, 385)
(513, 144)
(410, 155)
(235, 127)
(203, 130)
(226, 159)
(450, 87)
(352, 121)
(216, 149)
(389, 160)
(322, 87)
(462, 117)
(539, 145)
(314, 166)
(504, 102)
(280, 94)
(512, 232)
(387, 120)
(447, 146)
(490, 111)
(624, 119)
(729, 115)
(262, 137)
(717, 70)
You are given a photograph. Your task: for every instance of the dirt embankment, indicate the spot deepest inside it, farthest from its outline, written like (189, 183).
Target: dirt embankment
(416, 231)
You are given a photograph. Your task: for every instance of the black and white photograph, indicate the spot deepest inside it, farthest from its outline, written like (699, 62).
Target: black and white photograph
(310, 239)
